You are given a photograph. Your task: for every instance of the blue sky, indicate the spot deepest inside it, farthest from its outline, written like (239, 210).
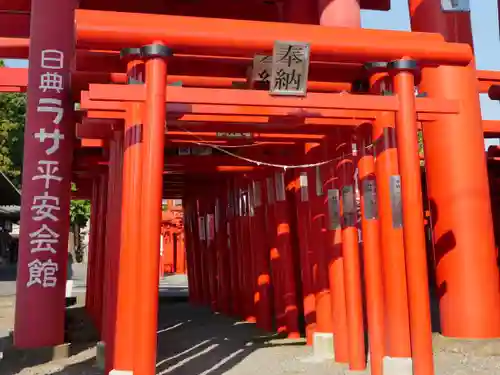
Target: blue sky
(484, 26)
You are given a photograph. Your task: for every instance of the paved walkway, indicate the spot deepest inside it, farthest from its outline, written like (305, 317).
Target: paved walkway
(194, 341)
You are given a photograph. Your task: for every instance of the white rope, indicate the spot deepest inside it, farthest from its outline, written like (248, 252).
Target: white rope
(234, 146)
(263, 163)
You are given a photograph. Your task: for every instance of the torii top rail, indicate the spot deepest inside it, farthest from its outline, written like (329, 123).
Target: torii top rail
(205, 36)
(299, 106)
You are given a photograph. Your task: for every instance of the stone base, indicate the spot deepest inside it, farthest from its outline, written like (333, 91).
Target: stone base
(397, 366)
(100, 355)
(121, 372)
(323, 347)
(69, 288)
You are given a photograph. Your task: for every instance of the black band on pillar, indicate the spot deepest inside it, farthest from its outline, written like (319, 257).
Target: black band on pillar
(130, 53)
(361, 85)
(155, 50)
(376, 66)
(403, 64)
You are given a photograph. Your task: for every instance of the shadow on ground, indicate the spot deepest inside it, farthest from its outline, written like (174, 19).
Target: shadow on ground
(194, 341)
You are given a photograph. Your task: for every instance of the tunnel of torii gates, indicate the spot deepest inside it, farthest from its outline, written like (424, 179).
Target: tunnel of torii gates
(284, 247)
(172, 246)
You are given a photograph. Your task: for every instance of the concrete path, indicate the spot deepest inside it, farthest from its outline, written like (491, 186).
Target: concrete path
(194, 341)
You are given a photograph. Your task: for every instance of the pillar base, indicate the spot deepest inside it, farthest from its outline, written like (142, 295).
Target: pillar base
(69, 288)
(323, 348)
(100, 355)
(397, 366)
(121, 372)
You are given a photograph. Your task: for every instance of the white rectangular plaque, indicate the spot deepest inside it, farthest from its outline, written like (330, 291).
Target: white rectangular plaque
(184, 151)
(279, 178)
(262, 68)
(217, 214)
(455, 5)
(396, 201)
(334, 209)
(370, 199)
(201, 228)
(348, 206)
(201, 151)
(251, 201)
(304, 192)
(319, 182)
(290, 68)
(234, 135)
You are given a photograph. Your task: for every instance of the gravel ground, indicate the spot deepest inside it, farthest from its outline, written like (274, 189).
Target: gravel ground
(193, 341)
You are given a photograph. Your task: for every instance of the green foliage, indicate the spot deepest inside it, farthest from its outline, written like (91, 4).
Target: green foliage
(12, 117)
(420, 142)
(79, 211)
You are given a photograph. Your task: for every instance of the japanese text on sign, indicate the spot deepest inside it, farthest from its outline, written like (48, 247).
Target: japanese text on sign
(201, 228)
(290, 69)
(261, 68)
(45, 207)
(334, 209)
(234, 135)
(370, 199)
(348, 206)
(396, 206)
(455, 5)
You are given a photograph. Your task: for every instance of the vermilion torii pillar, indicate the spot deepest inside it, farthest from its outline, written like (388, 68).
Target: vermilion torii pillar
(457, 182)
(151, 190)
(48, 149)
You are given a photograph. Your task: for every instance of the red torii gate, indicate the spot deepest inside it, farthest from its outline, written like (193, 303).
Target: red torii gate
(463, 145)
